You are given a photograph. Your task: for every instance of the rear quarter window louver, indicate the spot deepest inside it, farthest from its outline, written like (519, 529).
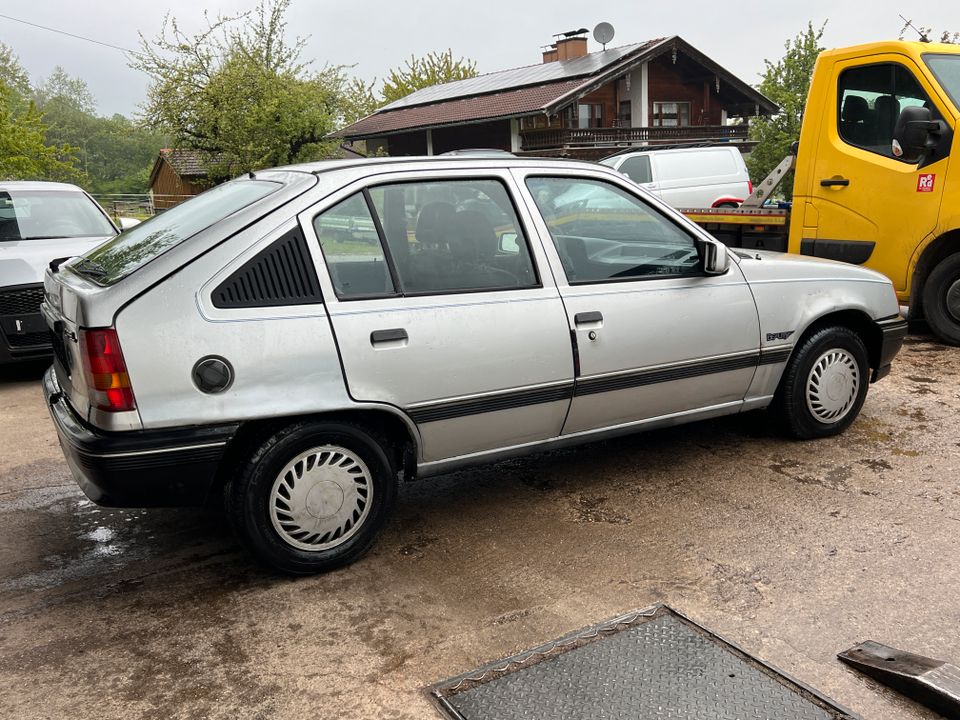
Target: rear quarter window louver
(280, 274)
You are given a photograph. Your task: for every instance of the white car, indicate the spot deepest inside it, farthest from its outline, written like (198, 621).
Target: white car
(700, 177)
(39, 222)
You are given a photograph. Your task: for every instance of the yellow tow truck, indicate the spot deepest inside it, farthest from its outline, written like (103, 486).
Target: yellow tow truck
(875, 184)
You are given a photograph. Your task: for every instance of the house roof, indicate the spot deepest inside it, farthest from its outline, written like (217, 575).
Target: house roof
(528, 90)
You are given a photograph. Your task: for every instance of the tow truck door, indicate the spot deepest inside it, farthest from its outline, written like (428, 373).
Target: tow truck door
(865, 205)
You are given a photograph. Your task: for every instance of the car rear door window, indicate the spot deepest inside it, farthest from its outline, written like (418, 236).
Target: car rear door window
(425, 238)
(602, 233)
(351, 247)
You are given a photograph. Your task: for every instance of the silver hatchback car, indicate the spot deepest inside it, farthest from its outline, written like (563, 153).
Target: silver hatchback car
(299, 340)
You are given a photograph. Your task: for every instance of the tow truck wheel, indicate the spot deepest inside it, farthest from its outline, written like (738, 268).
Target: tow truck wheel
(824, 385)
(941, 300)
(313, 497)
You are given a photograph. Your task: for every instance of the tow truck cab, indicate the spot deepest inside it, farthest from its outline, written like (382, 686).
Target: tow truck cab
(863, 194)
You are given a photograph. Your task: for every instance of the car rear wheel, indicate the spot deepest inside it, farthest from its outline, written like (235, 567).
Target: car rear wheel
(824, 386)
(313, 497)
(941, 300)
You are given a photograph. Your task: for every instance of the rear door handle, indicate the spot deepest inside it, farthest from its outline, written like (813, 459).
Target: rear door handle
(586, 318)
(834, 182)
(378, 337)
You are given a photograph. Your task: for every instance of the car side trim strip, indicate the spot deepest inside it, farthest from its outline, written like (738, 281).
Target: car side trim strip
(448, 410)
(462, 408)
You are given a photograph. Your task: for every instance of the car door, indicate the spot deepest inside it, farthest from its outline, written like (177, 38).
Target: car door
(856, 178)
(654, 336)
(440, 307)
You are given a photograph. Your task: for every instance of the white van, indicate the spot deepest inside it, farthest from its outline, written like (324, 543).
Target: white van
(700, 177)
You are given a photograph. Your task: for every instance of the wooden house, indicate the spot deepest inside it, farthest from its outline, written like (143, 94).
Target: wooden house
(573, 104)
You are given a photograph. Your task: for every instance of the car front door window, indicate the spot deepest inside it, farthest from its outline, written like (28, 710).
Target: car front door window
(602, 233)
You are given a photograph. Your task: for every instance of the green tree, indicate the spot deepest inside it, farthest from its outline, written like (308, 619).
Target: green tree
(787, 83)
(239, 92)
(72, 91)
(431, 69)
(114, 153)
(23, 152)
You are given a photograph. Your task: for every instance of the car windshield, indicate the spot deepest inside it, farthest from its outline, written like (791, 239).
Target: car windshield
(45, 214)
(946, 68)
(137, 246)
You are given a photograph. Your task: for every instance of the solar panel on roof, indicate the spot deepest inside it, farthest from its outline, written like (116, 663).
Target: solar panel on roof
(517, 77)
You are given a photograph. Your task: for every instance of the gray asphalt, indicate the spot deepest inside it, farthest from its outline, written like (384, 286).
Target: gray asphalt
(793, 551)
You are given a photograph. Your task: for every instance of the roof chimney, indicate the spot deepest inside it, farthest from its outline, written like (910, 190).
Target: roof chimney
(569, 45)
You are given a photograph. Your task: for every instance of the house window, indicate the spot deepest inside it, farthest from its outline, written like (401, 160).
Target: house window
(624, 116)
(671, 114)
(589, 115)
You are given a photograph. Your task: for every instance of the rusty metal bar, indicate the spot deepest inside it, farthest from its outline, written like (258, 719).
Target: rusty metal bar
(934, 683)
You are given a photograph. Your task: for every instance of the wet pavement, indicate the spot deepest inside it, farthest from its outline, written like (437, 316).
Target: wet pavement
(794, 551)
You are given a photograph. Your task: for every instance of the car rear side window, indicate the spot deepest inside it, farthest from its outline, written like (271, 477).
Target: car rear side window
(134, 248)
(602, 233)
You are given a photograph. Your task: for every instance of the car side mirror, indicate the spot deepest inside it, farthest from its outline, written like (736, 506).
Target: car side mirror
(128, 222)
(716, 261)
(915, 135)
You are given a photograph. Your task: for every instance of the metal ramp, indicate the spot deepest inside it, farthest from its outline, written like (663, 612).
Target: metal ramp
(651, 664)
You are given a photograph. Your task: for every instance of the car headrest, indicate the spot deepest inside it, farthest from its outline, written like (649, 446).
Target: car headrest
(434, 223)
(855, 109)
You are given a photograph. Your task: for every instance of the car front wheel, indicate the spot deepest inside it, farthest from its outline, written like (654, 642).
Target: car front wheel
(313, 497)
(824, 385)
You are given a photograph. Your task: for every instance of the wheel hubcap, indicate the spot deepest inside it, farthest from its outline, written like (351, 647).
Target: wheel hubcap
(832, 386)
(321, 498)
(953, 299)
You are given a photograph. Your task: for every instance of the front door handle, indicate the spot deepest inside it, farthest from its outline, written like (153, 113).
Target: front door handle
(378, 337)
(587, 318)
(834, 182)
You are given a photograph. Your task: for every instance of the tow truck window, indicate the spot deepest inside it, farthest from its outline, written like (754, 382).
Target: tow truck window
(869, 102)
(946, 68)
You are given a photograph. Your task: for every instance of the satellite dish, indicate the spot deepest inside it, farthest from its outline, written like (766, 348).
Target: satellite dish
(603, 33)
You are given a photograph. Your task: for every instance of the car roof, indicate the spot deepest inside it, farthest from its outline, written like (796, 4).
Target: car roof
(37, 185)
(324, 166)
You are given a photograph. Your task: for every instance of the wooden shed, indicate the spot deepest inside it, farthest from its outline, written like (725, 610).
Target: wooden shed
(177, 174)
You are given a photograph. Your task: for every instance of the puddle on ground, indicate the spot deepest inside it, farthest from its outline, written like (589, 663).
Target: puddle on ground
(56, 537)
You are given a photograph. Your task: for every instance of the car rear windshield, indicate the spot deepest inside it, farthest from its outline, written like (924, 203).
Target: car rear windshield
(946, 68)
(134, 248)
(46, 214)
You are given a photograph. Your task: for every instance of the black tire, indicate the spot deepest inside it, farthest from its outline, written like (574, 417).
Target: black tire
(727, 205)
(790, 405)
(258, 519)
(941, 300)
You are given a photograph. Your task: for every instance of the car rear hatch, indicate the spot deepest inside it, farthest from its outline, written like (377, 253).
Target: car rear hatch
(65, 294)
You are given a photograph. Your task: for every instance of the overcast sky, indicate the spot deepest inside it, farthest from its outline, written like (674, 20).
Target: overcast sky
(376, 36)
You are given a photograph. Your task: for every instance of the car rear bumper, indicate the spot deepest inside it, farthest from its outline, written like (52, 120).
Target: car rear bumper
(893, 331)
(142, 468)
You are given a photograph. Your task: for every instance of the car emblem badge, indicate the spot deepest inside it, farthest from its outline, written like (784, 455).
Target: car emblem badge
(779, 335)
(19, 326)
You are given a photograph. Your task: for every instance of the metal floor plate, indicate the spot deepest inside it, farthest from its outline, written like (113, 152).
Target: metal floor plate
(651, 664)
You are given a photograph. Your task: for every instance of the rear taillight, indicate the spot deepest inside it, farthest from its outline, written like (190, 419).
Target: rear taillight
(749, 187)
(106, 371)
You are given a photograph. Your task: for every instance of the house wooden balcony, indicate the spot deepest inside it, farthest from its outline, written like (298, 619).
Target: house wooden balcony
(578, 141)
